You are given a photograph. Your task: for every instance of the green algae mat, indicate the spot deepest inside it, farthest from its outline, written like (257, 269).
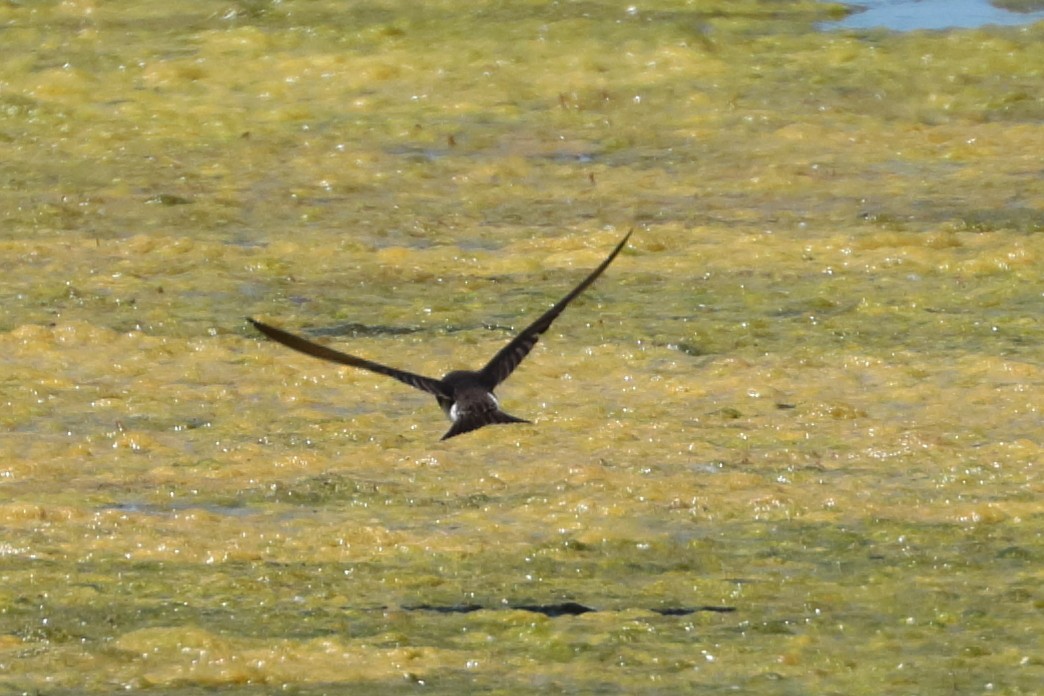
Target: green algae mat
(789, 443)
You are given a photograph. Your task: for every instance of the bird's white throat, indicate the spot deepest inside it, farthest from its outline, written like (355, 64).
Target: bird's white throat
(455, 411)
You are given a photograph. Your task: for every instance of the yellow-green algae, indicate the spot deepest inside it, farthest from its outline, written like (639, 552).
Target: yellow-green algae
(810, 391)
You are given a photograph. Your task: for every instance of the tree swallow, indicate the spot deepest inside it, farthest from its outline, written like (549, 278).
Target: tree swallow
(465, 396)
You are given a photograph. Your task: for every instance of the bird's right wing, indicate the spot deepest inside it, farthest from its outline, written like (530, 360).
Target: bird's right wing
(301, 345)
(507, 358)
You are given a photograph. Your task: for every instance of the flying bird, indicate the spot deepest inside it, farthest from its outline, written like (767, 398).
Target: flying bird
(465, 396)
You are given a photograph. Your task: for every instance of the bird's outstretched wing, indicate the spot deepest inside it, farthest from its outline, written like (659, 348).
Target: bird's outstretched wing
(432, 386)
(508, 358)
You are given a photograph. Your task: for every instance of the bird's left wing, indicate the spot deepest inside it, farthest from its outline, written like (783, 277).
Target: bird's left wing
(302, 345)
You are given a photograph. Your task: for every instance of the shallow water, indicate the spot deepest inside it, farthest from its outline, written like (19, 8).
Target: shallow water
(788, 443)
(916, 15)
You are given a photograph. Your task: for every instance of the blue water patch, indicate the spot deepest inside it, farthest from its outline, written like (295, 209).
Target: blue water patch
(911, 15)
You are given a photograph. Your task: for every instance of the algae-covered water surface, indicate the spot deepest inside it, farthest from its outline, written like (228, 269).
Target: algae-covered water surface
(789, 442)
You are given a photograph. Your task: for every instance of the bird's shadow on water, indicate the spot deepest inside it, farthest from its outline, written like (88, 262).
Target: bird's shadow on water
(354, 329)
(357, 330)
(327, 489)
(557, 609)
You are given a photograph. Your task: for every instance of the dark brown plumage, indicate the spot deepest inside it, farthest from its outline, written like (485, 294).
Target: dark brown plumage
(465, 396)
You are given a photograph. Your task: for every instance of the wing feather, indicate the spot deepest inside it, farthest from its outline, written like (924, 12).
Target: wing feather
(508, 358)
(302, 345)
